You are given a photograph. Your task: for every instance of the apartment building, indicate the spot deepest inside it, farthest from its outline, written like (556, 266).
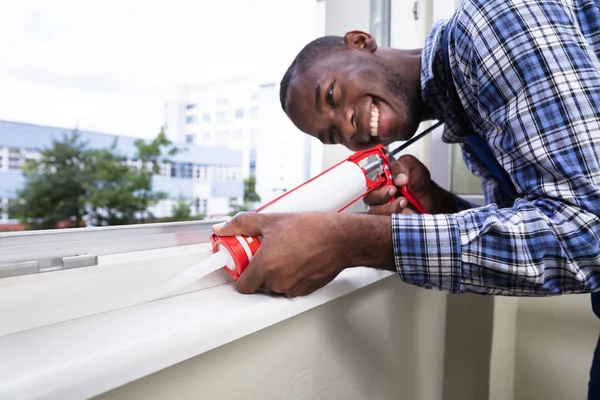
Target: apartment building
(206, 177)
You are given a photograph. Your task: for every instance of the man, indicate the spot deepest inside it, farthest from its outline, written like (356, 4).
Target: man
(517, 84)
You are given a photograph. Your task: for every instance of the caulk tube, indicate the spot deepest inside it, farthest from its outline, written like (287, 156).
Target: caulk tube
(331, 191)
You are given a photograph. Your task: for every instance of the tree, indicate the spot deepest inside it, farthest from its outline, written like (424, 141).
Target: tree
(55, 188)
(250, 197)
(122, 194)
(71, 182)
(151, 156)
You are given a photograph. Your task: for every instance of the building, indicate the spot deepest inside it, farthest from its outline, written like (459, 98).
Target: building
(206, 177)
(243, 113)
(221, 113)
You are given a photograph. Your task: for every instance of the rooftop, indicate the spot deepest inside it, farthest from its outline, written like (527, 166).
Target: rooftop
(31, 136)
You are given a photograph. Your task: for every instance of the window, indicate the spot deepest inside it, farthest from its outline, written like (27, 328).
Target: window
(190, 119)
(463, 182)
(222, 138)
(191, 106)
(173, 170)
(238, 135)
(222, 101)
(206, 117)
(254, 112)
(165, 169)
(188, 171)
(254, 96)
(190, 139)
(206, 138)
(239, 113)
(221, 116)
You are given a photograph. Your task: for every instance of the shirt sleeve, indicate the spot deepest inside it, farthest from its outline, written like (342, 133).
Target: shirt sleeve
(537, 86)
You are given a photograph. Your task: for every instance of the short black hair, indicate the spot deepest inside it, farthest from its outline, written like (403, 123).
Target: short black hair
(312, 52)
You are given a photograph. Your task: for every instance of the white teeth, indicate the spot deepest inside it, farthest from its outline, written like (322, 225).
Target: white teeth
(374, 120)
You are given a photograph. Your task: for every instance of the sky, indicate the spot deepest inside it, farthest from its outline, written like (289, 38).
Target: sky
(106, 65)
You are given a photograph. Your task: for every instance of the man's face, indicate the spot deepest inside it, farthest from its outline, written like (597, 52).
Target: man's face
(353, 98)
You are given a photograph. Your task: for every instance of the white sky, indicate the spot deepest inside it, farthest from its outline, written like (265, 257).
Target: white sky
(106, 63)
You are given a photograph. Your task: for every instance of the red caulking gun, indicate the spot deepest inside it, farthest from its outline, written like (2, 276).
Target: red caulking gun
(347, 182)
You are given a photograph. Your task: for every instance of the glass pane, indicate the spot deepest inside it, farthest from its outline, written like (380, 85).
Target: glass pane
(463, 181)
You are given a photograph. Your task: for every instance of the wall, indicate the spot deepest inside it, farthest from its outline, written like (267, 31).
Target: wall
(381, 342)
(555, 341)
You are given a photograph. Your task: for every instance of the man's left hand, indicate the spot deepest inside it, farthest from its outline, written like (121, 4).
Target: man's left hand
(302, 252)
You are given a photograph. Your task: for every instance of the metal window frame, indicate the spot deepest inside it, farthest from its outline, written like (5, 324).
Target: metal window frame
(30, 252)
(379, 21)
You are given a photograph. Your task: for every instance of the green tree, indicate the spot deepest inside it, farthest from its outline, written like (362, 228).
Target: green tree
(121, 194)
(55, 185)
(182, 211)
(250, 197)
(70, 182)
(152, 155)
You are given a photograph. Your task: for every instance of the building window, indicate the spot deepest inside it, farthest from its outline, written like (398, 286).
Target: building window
(222, 101)
(221, 116)
(206, 117)
(190, 139)
(222, 138)
(191, 106)
(254, 96)
(206, 138)
(254, 112)
(165, 169)
(239, 113)
(239, 135)
(197, 206)
(173, 170)
(188, 171)
(190, 119)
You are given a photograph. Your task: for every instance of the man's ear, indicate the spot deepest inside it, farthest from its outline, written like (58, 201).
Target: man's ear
(360, 40)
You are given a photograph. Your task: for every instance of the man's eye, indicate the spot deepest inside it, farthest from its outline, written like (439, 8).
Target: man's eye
(329, 96)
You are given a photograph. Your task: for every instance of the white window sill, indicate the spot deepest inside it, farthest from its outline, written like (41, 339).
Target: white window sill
(86, 356)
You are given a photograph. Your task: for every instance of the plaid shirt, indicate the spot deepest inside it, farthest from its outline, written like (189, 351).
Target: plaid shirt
(526, 78)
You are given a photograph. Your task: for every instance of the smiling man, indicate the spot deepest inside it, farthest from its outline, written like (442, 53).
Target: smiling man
(517, 84)
(355, 98)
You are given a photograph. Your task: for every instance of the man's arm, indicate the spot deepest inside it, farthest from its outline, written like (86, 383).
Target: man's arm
(536, 84)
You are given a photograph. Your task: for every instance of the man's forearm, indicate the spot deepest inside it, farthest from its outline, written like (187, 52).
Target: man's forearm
(366, 240)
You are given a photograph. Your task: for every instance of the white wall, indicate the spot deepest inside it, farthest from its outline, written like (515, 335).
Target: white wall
(381, 342)
(554, 344)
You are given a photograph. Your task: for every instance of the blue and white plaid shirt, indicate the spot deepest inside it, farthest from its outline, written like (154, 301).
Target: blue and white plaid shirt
(526, 78)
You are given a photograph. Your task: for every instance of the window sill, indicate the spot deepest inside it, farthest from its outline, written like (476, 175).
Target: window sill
(84, 357)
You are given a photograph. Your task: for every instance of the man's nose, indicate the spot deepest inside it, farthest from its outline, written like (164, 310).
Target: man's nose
(348, 124)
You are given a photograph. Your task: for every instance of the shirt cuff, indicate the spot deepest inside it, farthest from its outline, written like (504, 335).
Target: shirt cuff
(427, 250)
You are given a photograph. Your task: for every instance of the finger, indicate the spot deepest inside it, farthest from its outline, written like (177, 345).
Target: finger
(252, 279)
(402, 168)
(401, 179)
(380, 196)
(248, 224)
(396, 206)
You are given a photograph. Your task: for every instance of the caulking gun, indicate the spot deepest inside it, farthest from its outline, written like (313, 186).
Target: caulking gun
(335, 189)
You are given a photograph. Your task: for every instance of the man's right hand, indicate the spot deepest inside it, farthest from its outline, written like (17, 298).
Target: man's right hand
(408, 170)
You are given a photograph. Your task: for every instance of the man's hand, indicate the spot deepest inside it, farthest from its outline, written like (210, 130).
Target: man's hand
(408, 170)
(302, 252)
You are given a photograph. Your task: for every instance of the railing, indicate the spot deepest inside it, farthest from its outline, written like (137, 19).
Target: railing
(30, 252)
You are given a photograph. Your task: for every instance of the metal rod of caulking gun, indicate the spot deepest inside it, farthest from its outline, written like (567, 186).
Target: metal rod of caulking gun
(414, 139)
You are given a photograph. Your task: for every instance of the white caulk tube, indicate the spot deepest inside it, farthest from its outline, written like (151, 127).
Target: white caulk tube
(331, 191)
